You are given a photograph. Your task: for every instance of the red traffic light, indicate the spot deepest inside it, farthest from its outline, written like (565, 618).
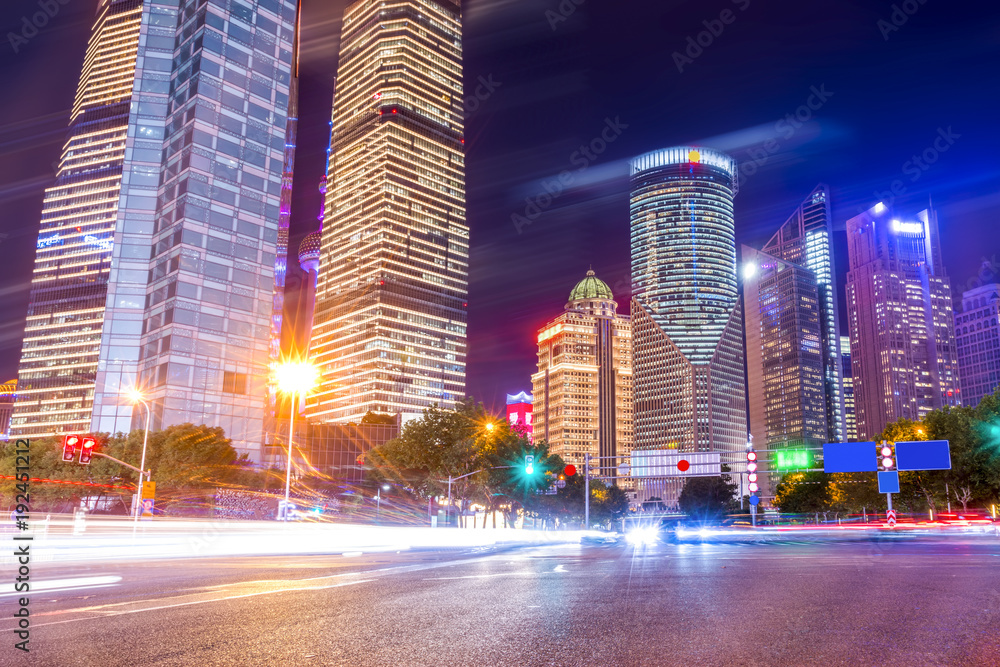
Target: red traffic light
(87, 450)
(751, 456)
(70, 443)
(570, 470)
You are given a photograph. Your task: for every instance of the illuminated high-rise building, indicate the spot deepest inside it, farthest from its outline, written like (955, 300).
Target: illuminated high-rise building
(977, 335)
(687, 321)
(583, 387)
(903, 352)
(389, 330)
(850, 411)
(793, 335)
(157, 252)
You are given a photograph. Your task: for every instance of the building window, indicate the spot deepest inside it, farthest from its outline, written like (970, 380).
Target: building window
(234, 383)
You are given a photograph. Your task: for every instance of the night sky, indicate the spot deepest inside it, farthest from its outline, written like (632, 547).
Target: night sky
(559, 74)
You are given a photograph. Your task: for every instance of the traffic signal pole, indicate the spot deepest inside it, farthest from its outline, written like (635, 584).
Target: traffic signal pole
(586, 492)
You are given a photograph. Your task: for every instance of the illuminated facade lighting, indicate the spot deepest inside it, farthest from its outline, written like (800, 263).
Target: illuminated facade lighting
(977, 335)
(687, 322)
(389, 331)
(157, 248)
(794, 366)
(850, 411)
(583, 387)
(903, 354)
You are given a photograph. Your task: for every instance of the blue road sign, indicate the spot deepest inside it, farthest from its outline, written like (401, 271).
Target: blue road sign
(923, 455)
(849, 457)
(888, 481)
(754, 500)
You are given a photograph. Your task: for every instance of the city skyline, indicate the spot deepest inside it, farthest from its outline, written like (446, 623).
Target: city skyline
(761, 198)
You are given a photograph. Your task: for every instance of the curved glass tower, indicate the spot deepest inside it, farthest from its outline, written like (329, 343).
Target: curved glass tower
(687, 356)
(684, 243)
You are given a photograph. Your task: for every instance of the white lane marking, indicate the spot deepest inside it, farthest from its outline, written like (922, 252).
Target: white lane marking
(559, 568)
(53, 585)
(192, 602)
(481, 576)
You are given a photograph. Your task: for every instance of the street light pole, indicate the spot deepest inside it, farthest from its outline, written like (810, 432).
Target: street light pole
(142, 465)
(586, 492)
(288, 466)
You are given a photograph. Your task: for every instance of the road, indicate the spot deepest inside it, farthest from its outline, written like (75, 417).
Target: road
(915, 601)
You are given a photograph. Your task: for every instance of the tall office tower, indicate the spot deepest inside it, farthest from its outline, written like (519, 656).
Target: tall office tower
(903, 355)
(977, 333)
(156, 257)
(583, 388)
(389, 331)
(793, 334)
(850, 412)
(687, 320)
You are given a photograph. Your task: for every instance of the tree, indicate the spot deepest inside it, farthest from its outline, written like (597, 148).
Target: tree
(803, 493)
(708, 497)
(183, 458)
(378, 418)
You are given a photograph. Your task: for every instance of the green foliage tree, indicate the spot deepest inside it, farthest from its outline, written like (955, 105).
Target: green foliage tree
(378, 418)
(803, 493)
(182, 458)
(708, 497)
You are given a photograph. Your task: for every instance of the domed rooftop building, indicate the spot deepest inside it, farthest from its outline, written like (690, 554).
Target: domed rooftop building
(592, 296)
(582, 391)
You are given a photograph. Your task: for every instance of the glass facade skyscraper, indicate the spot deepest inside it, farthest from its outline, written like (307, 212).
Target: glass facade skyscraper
(903, 352)
(158, 246)
(977, 334)
(389, 326)
(687, 323)
(794, 366)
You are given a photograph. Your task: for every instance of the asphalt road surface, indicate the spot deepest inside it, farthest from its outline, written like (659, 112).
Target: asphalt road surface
(905, 602)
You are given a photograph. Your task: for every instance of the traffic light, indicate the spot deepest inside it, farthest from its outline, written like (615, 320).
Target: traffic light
(87, 450)
(570, 470)
(70, 443)
(887, 458)
(752, 471)
(529, 464)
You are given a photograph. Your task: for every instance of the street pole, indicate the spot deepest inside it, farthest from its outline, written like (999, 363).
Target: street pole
(288, 467)
(888, 499)
(142, 467)
(449, 500)
(586, 492)
(947, 495)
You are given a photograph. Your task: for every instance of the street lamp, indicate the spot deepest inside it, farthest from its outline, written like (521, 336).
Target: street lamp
(135, 396)
(296, 378)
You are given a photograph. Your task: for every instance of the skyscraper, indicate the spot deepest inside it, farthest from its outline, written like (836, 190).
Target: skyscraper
(903, 354)
(850, 411)
(977, 335)
(793, 334)
(389, 330)
(583, 387)
(157, 252)
(687, 321)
